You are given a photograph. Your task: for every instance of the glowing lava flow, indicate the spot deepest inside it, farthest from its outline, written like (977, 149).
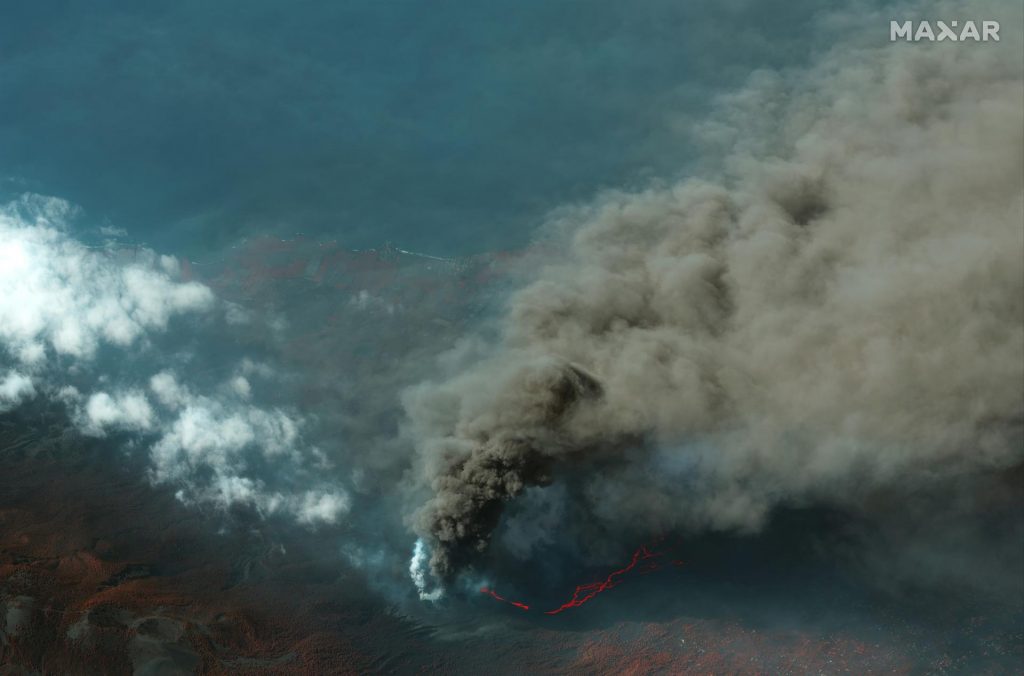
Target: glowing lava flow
(586, 592)
(643, 562)
(517, 604)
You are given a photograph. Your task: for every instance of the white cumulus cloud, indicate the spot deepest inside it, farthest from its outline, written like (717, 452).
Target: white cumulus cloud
(60, 301)
(124, 411)
(60, 296)
(207, 444)
(14, 388)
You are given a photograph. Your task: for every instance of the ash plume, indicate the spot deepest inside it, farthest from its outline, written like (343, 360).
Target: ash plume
(841, 312)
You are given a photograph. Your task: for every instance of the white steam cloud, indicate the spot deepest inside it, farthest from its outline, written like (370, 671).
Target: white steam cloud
(419, 571)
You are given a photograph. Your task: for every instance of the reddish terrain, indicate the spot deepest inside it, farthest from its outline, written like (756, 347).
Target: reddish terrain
(101, 573)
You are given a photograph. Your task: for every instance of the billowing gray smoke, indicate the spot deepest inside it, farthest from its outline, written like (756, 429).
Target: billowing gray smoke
(842, 312)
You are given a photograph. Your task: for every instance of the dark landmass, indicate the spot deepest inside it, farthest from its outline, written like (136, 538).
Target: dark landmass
(100, 572)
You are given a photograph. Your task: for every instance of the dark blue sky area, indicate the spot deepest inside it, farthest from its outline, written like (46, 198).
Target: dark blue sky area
(443, 126)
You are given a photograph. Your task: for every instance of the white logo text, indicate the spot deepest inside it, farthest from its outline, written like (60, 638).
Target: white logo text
(941, 31)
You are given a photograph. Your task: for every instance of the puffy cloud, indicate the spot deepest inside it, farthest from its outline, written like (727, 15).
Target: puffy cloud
(219, 450)
(322, 507)
(241, 387)
(167, 390)
(14, 388)
(210, 430)
(58, 295)
(124, 411)
(207, 445)
(839, 314)
(310, 508)
(61, 300)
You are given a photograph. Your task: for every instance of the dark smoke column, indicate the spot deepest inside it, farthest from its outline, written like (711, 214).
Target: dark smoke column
(473, 488)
